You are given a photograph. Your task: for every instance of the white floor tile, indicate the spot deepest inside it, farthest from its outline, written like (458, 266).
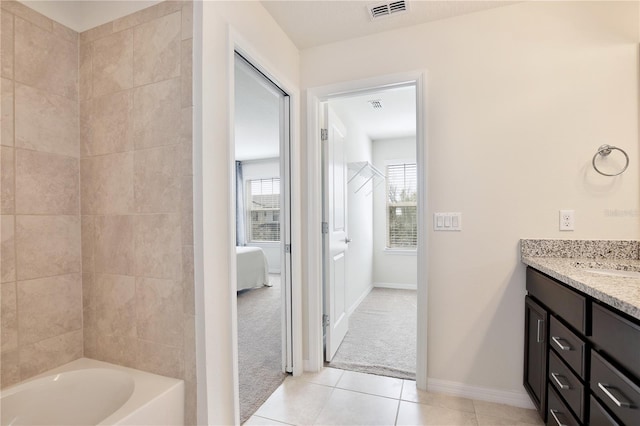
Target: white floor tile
(411, 413)
(508, 412)
(261, 421)
(296, 402)
(327, 376)
(369, 383)
(354, 408)
(485, 420)
(411, 393)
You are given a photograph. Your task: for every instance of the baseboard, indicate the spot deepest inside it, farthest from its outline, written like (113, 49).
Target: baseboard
(516, 399)
(397, 286)
(357, 303)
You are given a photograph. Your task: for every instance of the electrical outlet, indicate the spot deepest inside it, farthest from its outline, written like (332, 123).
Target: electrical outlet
(567, 221)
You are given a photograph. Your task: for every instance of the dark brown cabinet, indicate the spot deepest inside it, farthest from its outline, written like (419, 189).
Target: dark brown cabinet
(581, 356)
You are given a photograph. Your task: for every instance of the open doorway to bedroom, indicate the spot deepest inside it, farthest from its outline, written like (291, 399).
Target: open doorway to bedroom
(263, 264)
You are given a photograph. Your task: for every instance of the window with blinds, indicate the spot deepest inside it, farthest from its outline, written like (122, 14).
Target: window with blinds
(264, 209)
(402, 207)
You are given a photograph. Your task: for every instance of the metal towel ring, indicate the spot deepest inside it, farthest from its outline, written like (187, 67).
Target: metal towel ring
(605, 150)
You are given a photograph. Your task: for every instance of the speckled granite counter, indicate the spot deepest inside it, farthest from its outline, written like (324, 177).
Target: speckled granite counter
(558, 259)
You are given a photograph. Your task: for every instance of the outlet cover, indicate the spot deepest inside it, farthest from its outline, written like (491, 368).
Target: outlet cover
(567, 220)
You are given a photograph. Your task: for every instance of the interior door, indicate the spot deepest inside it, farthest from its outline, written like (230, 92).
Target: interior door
(336, 320)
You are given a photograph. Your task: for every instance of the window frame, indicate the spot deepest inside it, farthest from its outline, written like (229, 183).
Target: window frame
(249, 210)
(405, 250)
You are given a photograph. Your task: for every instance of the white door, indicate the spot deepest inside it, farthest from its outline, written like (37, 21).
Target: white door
(335, 233)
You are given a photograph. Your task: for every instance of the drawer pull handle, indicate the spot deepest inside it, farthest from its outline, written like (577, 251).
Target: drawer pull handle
(557, 377)
(558, 341)
(618, 399)
(539, 337)
(555, 417)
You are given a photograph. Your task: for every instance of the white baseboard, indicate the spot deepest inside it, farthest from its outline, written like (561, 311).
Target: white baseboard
(397, 286)
(513, 398)
(357, 303)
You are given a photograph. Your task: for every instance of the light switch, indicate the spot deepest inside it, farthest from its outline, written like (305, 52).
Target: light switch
(455, 221)
(439, 221)
(447, 221)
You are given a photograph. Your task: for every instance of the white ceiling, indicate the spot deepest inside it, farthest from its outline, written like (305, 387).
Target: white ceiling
(310, 23)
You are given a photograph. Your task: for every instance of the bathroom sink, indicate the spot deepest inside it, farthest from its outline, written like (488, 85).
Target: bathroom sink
(610, 269)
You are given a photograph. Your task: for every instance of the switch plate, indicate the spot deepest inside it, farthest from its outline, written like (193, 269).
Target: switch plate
(447, 221)
(567, 220)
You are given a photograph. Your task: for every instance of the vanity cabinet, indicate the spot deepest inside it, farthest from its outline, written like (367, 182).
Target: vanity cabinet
(581, 357)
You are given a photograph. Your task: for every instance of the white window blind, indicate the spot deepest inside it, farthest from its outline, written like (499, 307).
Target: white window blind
(402, 208)
(264, 209)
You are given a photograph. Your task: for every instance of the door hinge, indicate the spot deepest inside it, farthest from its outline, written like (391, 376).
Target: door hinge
(325, 228)
(324, 134)
(325, 320)
(287, 248)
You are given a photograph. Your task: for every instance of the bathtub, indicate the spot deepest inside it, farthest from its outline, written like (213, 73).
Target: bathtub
(89, 392)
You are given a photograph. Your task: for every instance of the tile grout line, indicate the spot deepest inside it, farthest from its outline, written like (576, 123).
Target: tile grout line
(399, 401)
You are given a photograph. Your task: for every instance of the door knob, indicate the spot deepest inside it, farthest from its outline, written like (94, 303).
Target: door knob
(347, 240)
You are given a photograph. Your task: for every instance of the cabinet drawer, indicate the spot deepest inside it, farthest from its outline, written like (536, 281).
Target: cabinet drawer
(569, 346)
(599, 416)
(566, 303)
(618, 337)
(558, 414)
(567, 385)
(616, 391)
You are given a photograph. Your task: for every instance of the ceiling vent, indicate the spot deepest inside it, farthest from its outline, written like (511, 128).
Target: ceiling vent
(375, 103)
(381, 10)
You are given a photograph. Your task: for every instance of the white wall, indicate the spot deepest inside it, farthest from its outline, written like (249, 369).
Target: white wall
(264, 169)
(217, 25)
(400, 269)
(520, 98)
(359, 218)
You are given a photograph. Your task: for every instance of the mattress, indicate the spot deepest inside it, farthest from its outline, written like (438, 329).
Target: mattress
(252, 266)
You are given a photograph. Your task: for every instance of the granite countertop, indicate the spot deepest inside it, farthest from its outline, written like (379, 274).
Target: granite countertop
(622, 293)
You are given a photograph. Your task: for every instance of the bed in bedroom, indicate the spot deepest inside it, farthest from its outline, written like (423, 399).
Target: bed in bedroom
(253, 270)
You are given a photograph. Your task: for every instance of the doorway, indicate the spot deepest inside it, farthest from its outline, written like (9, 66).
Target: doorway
(370, 233)
(315, 98)
(262, 234)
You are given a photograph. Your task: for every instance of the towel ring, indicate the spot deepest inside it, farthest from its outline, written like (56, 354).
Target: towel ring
(605, 150)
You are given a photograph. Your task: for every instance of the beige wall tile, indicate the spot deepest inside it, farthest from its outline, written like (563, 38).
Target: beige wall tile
(114, 249)
(160, 359)
(88, 243)
(6, 120)
(146, 15)
(46, 122)
(188, 280)
(159, 311)
(186, 73)
(88, 291)
(28, 14)
(8, 318)
(47, 246)
(115, 302)
(117, 350)
(109, 124)
(47, 183)
(106, 184)
(8, 252)
(44, 61)
(189, 348)
(157, 179)
(49, 307)
(7, 180)
(90, 332)
(6, 44)
(190, 403)
(66, 33)
(156, 114)
(158, 248)
(10, 367)
(96, 33)
(85, 71)
(156, 49)
(187, 20)
(186, 138)
(187, 211)
(50, 353)
(113, 63)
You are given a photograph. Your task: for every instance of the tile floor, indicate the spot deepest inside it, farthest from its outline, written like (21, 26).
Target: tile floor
(338, 397)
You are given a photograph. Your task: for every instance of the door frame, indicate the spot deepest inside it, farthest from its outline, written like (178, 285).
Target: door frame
(315, 96)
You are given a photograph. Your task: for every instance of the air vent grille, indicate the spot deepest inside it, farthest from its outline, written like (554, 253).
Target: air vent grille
(381, 10)
(375, 103)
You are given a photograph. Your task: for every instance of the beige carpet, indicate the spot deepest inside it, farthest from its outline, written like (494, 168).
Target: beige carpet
(259, 345)
(382, 335)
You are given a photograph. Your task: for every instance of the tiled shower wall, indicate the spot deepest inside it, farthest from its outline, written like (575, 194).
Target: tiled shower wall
(41, 256)
(97, 234)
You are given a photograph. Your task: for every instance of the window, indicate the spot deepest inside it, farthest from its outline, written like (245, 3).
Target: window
(402, 208)
(264, 209)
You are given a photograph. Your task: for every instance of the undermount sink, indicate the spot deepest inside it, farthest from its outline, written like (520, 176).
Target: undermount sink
(610, 269)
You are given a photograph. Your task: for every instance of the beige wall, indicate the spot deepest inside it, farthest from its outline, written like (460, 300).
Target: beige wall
(41, 312)
(136, 190)
(520, 98)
